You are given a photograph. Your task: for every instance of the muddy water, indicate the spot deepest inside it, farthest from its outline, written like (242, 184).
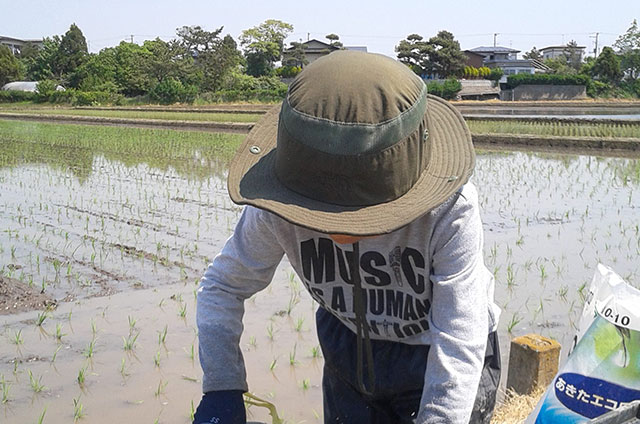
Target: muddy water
(121, 242)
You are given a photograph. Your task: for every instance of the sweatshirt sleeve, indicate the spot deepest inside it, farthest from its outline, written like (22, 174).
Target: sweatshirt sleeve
(245, 266)
(459, 312)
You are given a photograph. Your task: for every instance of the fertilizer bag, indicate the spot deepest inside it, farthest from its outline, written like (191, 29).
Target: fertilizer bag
(602, 373)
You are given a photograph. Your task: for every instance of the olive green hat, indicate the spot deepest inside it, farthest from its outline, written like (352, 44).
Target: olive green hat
(357, 147)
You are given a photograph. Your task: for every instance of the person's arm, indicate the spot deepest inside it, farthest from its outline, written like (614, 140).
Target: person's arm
(245, 266)
(459, 313)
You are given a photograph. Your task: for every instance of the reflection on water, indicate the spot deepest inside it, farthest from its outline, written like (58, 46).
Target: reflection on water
(549, 219)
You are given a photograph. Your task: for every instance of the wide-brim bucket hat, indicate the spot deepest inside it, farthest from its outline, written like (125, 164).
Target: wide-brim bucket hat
(358, 147)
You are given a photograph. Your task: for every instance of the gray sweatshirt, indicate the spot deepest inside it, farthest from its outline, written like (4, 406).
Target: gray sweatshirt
(425, 283)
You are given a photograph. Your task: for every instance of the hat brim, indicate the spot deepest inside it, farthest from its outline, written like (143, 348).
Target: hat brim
(252, 179)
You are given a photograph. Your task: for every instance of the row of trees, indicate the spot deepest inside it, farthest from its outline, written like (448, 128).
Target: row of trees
(197, 61)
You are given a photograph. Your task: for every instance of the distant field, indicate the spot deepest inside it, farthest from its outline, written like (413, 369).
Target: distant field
(160, 115)
(590, 129)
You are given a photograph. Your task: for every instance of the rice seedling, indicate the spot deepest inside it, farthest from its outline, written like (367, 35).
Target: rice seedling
(305, 384)
(90, 349)
(161, 387)
(270, 331)
(156, 360)
(36, 384)
(59, 334)
(272, 365)
(129, 342)
(253, 400)
(123, 368)
(298, 324)
(252, 342)
(182, 310)
(162, 336)
(192, 412)
(81, 376)
(42, 316)
(5, 386)
(292, 356)
(191, 352)
(55, 354)
(77, 409)
(132, 323)
(41, 418)
(515, 320)
(315, 352)
(17, 338)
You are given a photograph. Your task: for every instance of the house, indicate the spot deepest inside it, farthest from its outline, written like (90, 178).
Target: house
(474, 59)
(15, 44)
(313, 50)
(507, 59)
(553, 52)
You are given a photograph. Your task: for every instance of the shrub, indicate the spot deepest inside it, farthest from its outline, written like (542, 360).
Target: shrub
(288, 71)
(447, 90)
(546, 79)
(12, 96)
(598, 89)
(496, 74)
(171, 90)
(44, 90)
(90, 98)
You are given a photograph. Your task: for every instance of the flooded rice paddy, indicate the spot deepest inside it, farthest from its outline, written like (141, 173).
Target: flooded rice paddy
(117, 225)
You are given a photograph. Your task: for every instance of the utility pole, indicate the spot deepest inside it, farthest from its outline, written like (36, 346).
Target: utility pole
(308, 34)
(595, 51)
(131, 38)
(495, 36)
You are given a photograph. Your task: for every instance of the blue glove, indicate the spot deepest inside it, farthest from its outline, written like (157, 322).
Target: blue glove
(222, 407)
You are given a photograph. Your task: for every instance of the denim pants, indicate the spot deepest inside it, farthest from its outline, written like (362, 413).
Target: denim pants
(399, 378)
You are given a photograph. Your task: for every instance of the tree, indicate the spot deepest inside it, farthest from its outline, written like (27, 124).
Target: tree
(263, 45)
(72, 53)
(559, 65)
(445, 57)
(214, 57)
(628, 47)
(440, 56)
(607, 66)
(9, 66)
(533, 54)
(333, 40)
(572, 53)
(295, 55)
(413, 52)
(47, 64)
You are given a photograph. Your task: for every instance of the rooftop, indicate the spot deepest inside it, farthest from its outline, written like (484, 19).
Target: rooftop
(561, 47)
(496, 49)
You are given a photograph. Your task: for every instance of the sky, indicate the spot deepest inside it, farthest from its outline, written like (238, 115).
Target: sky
(378, 25)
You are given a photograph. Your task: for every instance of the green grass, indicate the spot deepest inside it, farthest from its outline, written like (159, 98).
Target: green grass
(134, 114)
(74, 147)
(604, 130)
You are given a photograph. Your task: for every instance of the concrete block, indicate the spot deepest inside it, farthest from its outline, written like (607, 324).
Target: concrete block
(533, 362)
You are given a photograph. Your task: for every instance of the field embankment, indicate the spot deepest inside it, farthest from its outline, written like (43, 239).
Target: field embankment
(494, 126)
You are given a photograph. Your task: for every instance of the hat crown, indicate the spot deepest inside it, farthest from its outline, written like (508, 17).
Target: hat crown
(355, 87)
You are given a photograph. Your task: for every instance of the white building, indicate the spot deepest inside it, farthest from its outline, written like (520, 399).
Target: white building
(15, 44)
(553, 52)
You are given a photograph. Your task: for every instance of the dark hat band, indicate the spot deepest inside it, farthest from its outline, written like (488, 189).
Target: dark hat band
(352, 138)
(348, 180)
